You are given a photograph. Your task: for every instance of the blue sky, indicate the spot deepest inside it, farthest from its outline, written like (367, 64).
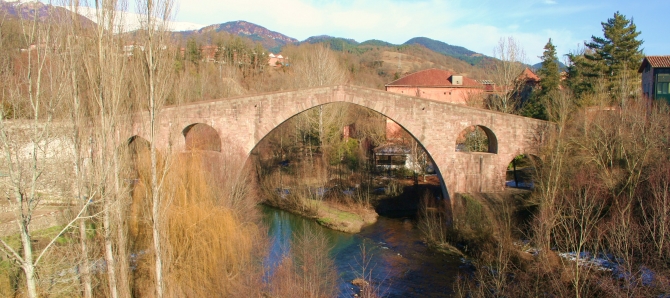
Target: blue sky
(474, 24)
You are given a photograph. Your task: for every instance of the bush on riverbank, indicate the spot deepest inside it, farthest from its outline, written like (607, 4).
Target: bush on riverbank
(600, 212)
(307, 271)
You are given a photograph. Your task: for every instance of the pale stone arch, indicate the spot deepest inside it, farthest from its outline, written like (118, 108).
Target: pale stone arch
(201, 137)
(522, 171)
(135, 154)
(491, 142)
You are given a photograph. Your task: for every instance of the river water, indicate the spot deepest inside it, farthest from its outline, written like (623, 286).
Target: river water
(402, 265)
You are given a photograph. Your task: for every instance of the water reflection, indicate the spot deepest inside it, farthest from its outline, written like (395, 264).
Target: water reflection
(400, 263)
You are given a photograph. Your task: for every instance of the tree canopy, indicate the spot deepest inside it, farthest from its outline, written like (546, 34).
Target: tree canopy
(550, 79)
(611, 60)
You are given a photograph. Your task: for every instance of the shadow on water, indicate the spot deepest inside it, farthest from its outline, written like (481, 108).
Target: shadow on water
(406, 205)
(402, 265)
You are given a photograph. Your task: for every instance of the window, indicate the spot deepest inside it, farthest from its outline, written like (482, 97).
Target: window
(662, 88)
(662, 83)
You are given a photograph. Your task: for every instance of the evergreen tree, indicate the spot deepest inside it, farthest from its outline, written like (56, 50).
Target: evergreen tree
(193, 53)
(536, 106)
(616, 56)
(579, 80)
(549, 74)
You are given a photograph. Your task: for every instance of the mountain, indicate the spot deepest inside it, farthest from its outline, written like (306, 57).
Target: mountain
(44, 12)
(459, 52)
(275, 41)
(377, 43)
(271, 40)
(329, 39)
(335, 43)
(561, 66)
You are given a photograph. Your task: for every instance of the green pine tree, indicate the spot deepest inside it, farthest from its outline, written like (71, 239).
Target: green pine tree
(193, 53)
(550, 79)
(580, 75)
(616, 56)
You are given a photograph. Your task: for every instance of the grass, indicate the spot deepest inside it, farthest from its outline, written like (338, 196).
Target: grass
(337, 219)
(14, 240)
(11, 275)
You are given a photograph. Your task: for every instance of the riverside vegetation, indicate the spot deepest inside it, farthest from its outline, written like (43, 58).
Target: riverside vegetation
(596, 222)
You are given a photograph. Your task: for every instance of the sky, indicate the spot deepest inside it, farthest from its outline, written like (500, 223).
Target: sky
(474, 24)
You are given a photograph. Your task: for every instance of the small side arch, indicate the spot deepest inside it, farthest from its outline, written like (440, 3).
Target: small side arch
(477, 138)
(201, 137)
(522, 170)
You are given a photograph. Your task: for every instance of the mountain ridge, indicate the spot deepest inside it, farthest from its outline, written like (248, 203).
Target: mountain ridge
(274, 41)
(28, 10)
(271, 40)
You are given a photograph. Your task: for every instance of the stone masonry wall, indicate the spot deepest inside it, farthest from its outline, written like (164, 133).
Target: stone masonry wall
(242, 123)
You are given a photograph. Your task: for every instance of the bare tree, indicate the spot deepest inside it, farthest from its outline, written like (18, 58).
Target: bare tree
(656, 210)
(508, 65)
(34, 144)
(104, 76)
(577, 229)
(316, 65)
(155, 84)
(78, 119)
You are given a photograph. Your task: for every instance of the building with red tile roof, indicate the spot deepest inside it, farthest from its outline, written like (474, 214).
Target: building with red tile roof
(655, 72)
(527, 81)
(528, 76)
(437, 84)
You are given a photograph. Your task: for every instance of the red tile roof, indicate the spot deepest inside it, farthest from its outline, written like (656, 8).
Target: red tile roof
(655, 62)
(528, 75)
(433, 78)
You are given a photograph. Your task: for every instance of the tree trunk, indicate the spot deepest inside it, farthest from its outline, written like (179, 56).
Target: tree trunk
(84, 268)
(155, 197)
(28, 266)
(120, 230)
(516, 178)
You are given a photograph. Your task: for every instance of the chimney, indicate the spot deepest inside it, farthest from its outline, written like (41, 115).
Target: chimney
(457, 80)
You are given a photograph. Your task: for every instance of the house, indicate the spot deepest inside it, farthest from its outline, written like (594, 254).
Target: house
(655, 72)
(277, 60)
(392, 156)
(527, 81)
(209, 53)
(437, 84)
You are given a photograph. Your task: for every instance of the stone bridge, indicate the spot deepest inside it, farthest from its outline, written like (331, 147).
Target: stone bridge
(240, 123)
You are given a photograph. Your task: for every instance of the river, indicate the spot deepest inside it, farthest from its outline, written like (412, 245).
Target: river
(402, 265)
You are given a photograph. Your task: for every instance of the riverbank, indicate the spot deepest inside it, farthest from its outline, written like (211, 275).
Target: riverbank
(349, 219)
(343, 217)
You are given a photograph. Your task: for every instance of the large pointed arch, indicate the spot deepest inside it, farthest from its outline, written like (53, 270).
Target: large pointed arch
(435, 167)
